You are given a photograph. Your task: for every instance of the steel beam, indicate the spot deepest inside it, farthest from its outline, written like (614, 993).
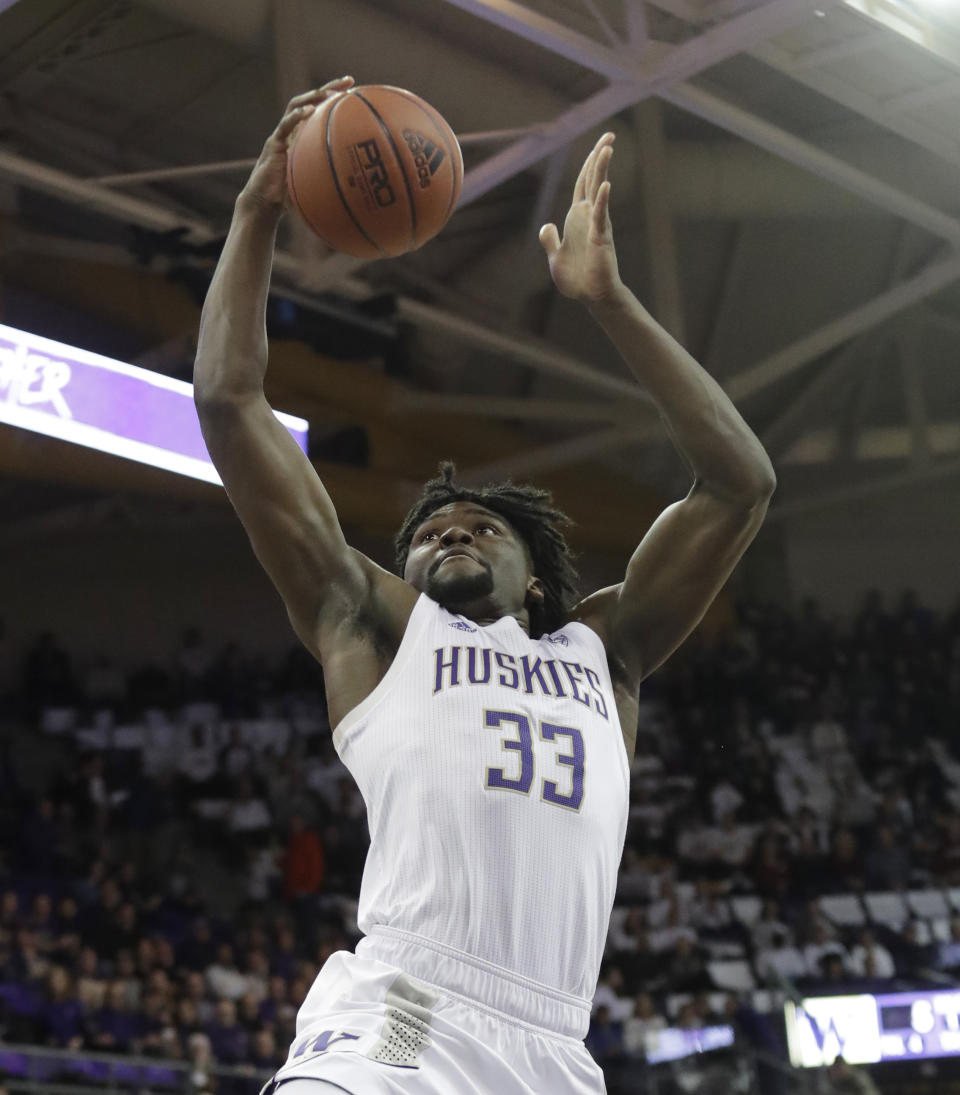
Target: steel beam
(530, 351)
(732, 276)
(634, 81)
(102, 198)
(760, 132)
(838, 51)
(786, 427)
(543, 31)
(786, 361)
(161, 174)
(601, 20)
(921, 97)
(844, 495)
(876, 443)
(638, 29)
(517, 407)
(912, 374)
(825, 83)
(658, 218)
(533, 352)
(562, 454)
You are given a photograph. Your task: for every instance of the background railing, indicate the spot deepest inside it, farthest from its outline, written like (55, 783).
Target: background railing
(28, 1070)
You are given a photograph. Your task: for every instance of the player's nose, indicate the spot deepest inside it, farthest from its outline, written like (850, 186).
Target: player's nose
(456, 535)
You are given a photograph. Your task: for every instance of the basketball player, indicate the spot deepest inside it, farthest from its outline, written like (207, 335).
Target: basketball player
(488, 720)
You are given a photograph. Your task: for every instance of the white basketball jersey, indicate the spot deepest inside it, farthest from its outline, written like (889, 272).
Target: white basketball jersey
(497, 790)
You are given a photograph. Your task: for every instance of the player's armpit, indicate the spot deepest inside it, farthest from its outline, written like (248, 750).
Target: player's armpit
(672, 579)
(284, 507)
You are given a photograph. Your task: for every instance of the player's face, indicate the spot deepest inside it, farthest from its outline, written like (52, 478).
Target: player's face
(466, 557)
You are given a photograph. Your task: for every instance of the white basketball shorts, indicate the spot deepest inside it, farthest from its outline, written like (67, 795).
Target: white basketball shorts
(372, 1028)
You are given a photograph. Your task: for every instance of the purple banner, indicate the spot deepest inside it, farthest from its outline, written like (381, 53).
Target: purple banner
(69, 393)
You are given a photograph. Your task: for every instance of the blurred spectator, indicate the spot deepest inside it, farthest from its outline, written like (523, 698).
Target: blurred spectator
(820, 945)
(195, 989)
(47, 674)
(609, 994)
(248, 813)
(302, 863)
(780, 960)
(200, 1056)
(871, 959)
(236, 757)
(66, 939)
(844, 1079)
(914, 957)
(115, 1027)
(103, 684)
(771, 867)
(91, 986)
(828, 739)
(197, 762)
(198, 949)
(190, 666)
(97, 921)
(224, 979)
(26, 962)
(125, 972)
(644, 1021)
(265, 1053)
(228, 1039)
(887, 865)
(843, 870)
(604, 1038)
(856, 803)
(61, 1015)
(769, 925)
(686, 969)
(947, 955)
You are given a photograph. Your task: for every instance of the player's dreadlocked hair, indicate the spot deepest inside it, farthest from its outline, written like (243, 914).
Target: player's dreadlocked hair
(530, 512)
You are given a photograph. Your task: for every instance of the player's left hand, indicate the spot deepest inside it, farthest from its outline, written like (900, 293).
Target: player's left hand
(584, 264)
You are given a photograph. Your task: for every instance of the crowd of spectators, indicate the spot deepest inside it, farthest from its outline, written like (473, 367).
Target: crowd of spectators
(794, 757)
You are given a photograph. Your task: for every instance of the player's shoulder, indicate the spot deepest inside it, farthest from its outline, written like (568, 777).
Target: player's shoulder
(379, 601)
(596, 611)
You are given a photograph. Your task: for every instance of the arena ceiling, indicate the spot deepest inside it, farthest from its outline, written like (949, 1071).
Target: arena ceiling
(785, 201)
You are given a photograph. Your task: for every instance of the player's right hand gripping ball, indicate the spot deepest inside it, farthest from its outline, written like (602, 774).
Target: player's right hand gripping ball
(375, 171)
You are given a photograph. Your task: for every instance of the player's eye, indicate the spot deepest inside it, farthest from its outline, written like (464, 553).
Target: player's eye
(485, 528)
(424, 536)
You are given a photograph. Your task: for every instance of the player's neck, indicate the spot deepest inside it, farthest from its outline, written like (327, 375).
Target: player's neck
(483, 613)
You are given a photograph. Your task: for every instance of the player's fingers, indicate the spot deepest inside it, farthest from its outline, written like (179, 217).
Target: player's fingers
(550, 239)
(601, 208)
(598, 171)
(599, 174)
(290, 121)
(318, 94)
(580, 189)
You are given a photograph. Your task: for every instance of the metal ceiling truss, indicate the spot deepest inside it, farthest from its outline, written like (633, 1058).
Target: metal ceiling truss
(665, 79)
(635, 70)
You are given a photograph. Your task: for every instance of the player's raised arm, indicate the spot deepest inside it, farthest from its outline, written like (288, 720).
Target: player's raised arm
(689, 552)
(274, 488)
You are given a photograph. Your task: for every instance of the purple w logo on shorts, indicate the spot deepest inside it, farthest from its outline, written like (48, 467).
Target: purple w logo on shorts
(321, 1042)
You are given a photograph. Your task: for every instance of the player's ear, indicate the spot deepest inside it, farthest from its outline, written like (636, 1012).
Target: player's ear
(535, 591)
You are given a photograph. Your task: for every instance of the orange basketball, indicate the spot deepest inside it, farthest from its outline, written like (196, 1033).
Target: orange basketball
(375, 171)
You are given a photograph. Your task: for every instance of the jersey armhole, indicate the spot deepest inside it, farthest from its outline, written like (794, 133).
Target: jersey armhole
(416, 624)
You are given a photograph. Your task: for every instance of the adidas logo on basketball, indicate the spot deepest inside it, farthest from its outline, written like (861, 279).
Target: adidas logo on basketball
(427, 156)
